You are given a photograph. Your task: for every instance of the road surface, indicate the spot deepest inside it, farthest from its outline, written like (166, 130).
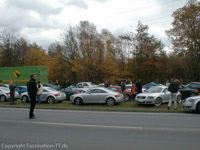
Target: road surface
(96, 130)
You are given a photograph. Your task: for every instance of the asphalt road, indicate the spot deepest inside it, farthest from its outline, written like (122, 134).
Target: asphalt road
(90, 130)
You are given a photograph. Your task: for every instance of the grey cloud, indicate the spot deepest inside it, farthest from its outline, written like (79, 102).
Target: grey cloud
(34, 5)
(78, 3)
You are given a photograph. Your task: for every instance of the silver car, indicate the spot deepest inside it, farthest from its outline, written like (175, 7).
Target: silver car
(97, 95)
(156, 95)
(5, 94)
(49, 95)
(192, 103)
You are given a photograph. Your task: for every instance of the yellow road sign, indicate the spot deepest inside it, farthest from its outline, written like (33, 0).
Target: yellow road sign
(16, 73)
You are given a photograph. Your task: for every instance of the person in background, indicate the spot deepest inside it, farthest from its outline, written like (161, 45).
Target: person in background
(32, 92)
(57, 84)
(139, 86)
(1, 83)
(39, 92)
(134, 90)
(106, 84)
(173, 88)
(12, 93)
(167, 83)
(67, 84)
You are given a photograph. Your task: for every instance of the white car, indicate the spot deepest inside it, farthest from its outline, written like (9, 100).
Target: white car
(192, 103)
(49, 95)
(156, 95)
(5, 94)
(87, 84)
(97, 95)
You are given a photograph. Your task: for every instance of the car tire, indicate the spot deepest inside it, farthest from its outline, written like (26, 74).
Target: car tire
(179, 98)
(198, 108)
(110, 101)
(51, 100)
(3, 98)
(25, 99)
(158, 101)
(127, 97)
(78, 101)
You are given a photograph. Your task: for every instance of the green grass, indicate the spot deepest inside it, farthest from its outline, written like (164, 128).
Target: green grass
(123, 106)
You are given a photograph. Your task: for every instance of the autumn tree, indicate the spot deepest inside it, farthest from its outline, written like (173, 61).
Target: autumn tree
(185, 38)
(145, 62)
(13, 47)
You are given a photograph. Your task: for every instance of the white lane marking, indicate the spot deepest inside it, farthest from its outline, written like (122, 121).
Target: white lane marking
(87, 125)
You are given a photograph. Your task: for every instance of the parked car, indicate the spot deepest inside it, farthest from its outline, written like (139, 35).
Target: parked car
(5, 94)
(87, 84)
(21, 89)
(49, 95)
(68, 92)
(192, 103)
(149, 85)
(118, 89)
(194, 85)
(79, 88)
(156, 95)
(187, 92)
(97, 95)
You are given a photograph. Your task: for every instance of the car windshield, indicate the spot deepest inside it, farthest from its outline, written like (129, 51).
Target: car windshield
(155, 90)
(51, 89)
(4, 88)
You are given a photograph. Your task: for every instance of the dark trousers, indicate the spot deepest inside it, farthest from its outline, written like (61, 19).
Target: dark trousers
(32, 106)
(12, 98)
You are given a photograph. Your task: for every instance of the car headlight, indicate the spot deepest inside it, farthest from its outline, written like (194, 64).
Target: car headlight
(150, 97)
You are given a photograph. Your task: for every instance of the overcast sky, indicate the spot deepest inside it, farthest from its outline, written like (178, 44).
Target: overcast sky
(42, 21)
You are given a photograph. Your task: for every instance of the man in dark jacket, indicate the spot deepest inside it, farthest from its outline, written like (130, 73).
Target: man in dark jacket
(173, 88)
(139, 86)
(32, 92)
(12, 93)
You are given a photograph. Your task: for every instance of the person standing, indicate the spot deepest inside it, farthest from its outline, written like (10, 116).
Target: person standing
(12, 93)
(123, 89)
(173, 88)
(134, 90)
(139, 86)
(32, 92)
(39, 92)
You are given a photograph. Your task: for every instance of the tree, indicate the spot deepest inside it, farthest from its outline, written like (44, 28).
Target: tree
(185, 38)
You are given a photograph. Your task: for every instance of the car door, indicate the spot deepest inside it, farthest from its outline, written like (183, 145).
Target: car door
(90, 96)
(165, 95)
(44, 95)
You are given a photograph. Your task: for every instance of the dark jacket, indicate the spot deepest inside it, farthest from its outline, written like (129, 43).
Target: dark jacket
(173, 87)
(139, 87)
(12, 89)
(32, 87)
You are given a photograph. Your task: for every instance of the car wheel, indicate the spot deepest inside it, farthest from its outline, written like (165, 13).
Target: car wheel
(50, 100)
(158, 101)
(110, 101)
(179, 99)
(198, 108)
(127, 97)
(78, 101)
(25, 99)
(3, 98)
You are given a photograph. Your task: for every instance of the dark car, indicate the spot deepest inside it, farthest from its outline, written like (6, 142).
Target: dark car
(21, 89)
(188, 92)
(193, 85)
(68, 92)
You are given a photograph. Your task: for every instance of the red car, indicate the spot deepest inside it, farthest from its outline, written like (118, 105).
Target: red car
(129, 95)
